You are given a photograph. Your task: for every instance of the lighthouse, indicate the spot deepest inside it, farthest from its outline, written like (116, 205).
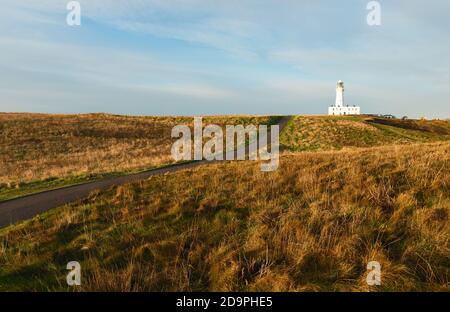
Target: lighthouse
(339, 108)
(339, 94)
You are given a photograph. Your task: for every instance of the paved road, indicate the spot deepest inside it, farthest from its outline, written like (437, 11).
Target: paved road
(27, 207)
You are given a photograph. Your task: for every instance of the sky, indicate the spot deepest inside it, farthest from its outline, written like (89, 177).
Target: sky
(199, 57)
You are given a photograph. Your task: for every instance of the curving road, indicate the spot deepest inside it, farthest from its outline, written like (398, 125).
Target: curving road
(27, 207)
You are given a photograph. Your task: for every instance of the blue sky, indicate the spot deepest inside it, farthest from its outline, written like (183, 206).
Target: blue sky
(196, 57)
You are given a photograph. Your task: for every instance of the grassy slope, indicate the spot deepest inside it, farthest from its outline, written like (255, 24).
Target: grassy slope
(312, 225)
(40, 152)
(333, 133)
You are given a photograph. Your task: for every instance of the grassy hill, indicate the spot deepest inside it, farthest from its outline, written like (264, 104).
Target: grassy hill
(314, 224)
(318, 133)
(40, 151)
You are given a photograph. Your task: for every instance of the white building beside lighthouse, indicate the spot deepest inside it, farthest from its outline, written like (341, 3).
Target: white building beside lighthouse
(339, 108)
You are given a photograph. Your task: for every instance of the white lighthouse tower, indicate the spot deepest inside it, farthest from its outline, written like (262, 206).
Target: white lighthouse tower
(339, 94)
(339, 108)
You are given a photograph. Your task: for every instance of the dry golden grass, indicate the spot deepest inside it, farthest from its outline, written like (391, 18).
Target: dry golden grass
(320, 133)
(313, 225)
(40, 146)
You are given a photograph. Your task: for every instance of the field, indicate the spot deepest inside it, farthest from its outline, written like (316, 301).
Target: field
(313, 225)
(349, 190)
(320, 133)
(39, 152)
